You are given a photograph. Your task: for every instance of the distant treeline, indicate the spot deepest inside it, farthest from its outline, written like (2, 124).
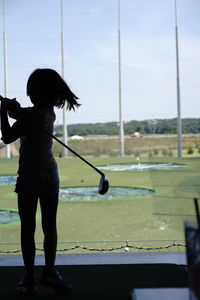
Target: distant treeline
(158, 126)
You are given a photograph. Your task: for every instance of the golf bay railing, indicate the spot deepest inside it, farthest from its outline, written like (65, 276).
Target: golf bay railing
(95, 246)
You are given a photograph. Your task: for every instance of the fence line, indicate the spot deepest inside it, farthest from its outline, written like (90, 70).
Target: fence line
(124, 245)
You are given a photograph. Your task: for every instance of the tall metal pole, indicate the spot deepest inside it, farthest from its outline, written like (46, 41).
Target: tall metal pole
(179, 122)
(8, 151)
(121, 130)
(65, 137)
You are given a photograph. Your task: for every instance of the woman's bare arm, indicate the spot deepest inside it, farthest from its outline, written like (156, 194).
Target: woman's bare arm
(9, 133)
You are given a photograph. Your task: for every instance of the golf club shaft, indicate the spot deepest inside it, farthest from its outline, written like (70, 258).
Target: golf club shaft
(71, 150)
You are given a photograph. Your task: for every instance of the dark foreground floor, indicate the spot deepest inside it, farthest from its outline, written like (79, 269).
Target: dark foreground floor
(100, 276)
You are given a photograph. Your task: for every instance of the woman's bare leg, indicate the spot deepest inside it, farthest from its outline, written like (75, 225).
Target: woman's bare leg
(27, 206)
(49, 204)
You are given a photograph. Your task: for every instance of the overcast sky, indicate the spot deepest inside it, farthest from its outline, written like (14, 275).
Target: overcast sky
(91, 55)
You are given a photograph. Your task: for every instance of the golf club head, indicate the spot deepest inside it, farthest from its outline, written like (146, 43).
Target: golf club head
(103, 185)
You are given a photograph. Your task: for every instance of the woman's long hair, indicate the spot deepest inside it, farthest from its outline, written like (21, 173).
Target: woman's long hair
(47, 88)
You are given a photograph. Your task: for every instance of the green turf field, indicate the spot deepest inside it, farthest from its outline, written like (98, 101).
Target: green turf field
(159, 216)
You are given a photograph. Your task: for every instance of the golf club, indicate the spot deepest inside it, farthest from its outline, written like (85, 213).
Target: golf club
(104, 183)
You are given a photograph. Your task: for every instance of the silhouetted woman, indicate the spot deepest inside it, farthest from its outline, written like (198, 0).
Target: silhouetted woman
(37, 173)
